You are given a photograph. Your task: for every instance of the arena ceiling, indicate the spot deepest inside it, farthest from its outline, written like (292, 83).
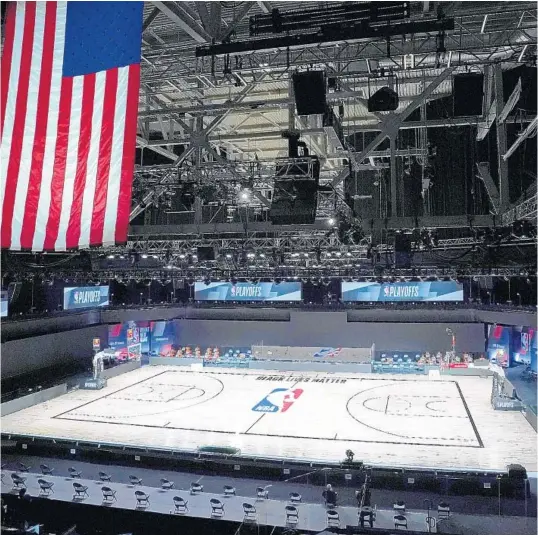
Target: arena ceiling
(212, 125)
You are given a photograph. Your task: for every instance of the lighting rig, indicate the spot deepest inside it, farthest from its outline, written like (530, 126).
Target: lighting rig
(347, 22)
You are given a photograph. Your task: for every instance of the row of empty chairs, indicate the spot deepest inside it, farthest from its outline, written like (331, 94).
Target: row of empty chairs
(181, 505)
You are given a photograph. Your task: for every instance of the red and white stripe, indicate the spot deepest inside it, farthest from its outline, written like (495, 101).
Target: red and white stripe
(67, 144)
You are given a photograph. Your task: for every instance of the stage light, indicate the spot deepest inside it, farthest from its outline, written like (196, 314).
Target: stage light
(122, 257)
(110, 256)
(250, 255)
(331, 221)
(348, 254)
(182, 256)
(262, 255)
(228, 256)
(155, 256)
(144, 256)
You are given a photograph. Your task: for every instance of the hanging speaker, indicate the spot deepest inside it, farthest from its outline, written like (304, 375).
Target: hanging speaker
(309, 89)
(468, 93)
(384, 99)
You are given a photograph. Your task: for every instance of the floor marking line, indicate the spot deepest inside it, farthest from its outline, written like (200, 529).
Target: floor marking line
(387, 405)
(246, 432)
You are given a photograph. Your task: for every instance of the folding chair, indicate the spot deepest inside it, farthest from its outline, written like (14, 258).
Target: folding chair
(181, 505)
(333, 519)
(81, 491)
(21, 467)
(103, 476)
(196, 488)
(292, 515)
(18, 482)
(166, 484)
(142, 499)
(367, 514)
(443, 510)
(134, 480)
(46, 470)
(229, 490)
(45, 487)
(250, 512)
(400, 521)
(295, 497)
(73, 472)
(109, 495)
(399, 507)
(262, 493)
(217, 507)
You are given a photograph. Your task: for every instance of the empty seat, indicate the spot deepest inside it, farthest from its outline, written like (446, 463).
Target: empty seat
(81, 491)
(262, 493)
(166, 484)
(46, 470)
(250, 512)
(142, 499)
(18, 481)
(196, 488)
(134, 480)
(399, 507)
(367, 514)
(295, 497)
(443, 510)
(229, 490)
(109, 495)
(21, 467)
(45, 487)
(217, 507)
(73, 472)
(180, 504)
(333, 518)
(292, 514)
(400, 521)
(103, 476)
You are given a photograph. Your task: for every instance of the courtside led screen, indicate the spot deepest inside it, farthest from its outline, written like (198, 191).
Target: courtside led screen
(402, 291)
(246, 291)
(85, 297)
(3, 304)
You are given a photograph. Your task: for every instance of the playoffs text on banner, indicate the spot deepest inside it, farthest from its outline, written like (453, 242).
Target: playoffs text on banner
(85, 297)
(68, 109)
(402, 291)
(246, 291)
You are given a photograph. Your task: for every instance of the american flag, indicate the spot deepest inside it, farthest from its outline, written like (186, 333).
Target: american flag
(68, 117)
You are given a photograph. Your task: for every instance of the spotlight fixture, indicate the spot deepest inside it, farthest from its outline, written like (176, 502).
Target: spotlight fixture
(331, 221)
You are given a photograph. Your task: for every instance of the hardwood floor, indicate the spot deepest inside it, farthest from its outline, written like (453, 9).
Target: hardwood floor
(389, 420)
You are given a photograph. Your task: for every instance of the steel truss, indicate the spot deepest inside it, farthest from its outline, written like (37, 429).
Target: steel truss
(305, 274)
(525, 210)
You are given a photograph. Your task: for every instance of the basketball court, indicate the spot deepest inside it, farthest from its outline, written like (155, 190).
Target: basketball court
(414, 422)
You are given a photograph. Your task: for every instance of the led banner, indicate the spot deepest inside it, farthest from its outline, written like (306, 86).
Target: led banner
(246, 291)
(85, 297)
(499, 340)
(402, 291)
(523, 341)
(146, 337)
(3, 304)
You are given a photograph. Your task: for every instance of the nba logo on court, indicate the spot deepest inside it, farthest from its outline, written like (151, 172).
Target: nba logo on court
(278, 400)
